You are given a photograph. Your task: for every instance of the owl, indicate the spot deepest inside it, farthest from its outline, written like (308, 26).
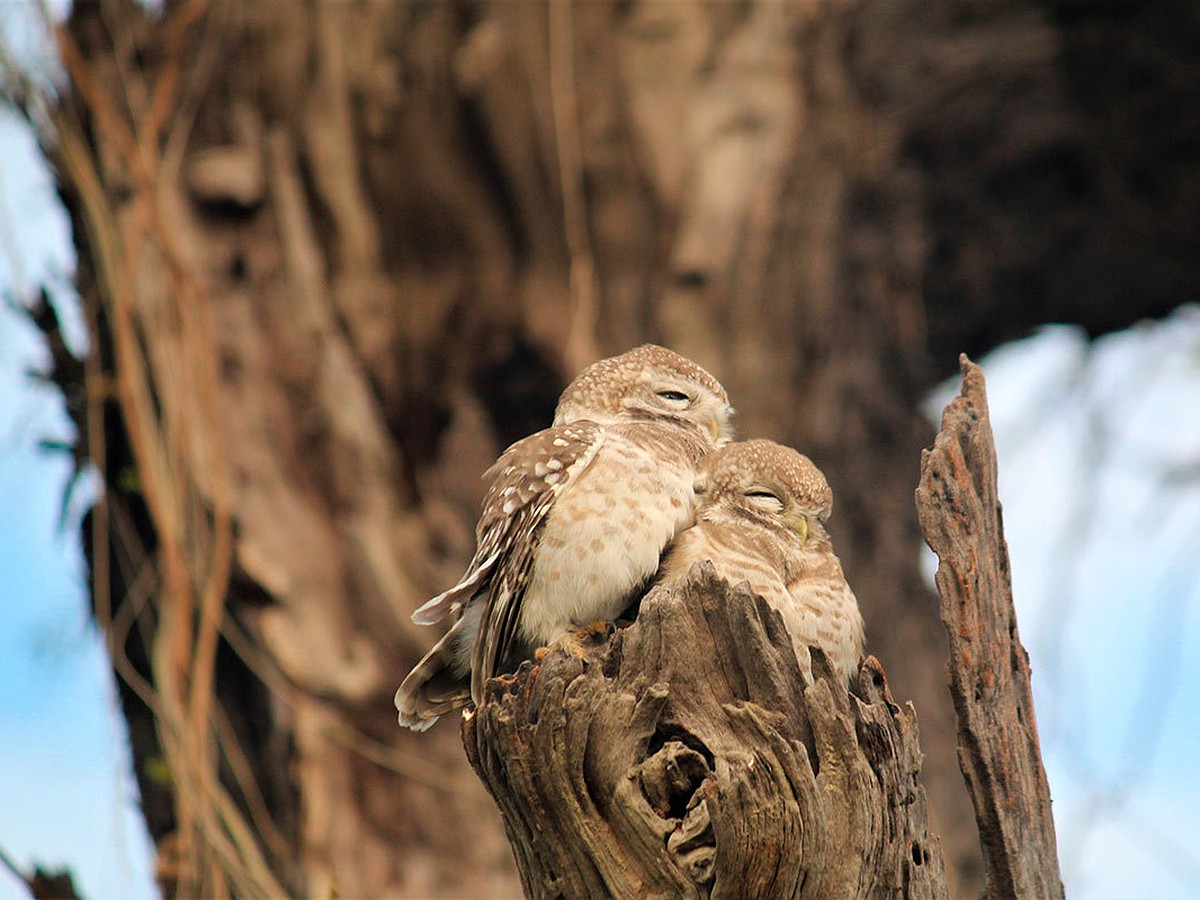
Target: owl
(760, 509)
(575, 519)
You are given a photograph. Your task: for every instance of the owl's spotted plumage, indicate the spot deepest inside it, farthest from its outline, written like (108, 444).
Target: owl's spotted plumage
(574, 521)
(760, 509)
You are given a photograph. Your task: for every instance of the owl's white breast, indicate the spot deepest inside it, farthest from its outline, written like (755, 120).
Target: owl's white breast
(605, 535)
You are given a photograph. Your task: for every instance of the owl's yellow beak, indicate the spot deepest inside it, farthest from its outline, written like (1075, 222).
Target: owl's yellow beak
(799, 524)
(716, 424)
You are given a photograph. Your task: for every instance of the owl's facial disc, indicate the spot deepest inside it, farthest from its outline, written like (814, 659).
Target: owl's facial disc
(772, 502)
(675, 396)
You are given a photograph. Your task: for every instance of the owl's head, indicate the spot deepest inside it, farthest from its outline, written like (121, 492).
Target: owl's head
(645, 384)
(767, 483)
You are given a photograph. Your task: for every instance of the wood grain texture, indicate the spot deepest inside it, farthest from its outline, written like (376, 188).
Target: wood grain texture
(989, 669)
(685, 758)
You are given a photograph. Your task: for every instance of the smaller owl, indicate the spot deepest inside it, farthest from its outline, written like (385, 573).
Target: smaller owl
(760, 509)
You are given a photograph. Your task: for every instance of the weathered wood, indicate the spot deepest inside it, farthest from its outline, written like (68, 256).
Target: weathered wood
(685, 758)
(989, 669)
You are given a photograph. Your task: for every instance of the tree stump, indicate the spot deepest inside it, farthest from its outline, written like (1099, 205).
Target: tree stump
(685, 757)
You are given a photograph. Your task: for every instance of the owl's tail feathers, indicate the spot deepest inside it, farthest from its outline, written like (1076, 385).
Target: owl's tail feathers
(436, 609)
(437, 685)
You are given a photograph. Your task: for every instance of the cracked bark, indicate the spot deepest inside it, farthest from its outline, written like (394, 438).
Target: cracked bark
(998, 745)
(685, 758)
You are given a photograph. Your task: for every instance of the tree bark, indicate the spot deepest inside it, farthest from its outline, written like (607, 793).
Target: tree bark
(687, 758)
(989, 669)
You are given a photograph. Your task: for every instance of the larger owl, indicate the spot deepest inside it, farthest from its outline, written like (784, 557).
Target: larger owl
(760, 513)
(575, 519)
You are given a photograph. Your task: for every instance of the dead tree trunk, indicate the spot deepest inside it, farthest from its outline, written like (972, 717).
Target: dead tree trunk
(998, 748)
(686, 758)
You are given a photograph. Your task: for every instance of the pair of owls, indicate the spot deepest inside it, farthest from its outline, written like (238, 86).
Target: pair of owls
(576, 519)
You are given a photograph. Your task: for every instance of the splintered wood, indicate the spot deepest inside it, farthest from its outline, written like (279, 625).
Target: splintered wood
(989, 669)
(686, 758)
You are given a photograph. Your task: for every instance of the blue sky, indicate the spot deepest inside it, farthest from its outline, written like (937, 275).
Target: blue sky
(1099, 451)
(68, 797)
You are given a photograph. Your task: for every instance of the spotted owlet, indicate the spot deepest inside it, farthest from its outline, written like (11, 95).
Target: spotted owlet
(574, 520)
(759, 513)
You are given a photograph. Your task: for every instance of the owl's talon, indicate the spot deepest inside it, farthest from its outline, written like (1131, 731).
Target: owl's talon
(599, 628)
(578, 643)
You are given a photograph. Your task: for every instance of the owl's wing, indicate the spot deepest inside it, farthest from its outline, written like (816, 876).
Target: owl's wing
(523, 486)
(453, 599)
(526, 475)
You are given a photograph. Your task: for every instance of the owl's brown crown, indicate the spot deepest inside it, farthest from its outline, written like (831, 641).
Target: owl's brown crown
(738, 468)
(647, 381)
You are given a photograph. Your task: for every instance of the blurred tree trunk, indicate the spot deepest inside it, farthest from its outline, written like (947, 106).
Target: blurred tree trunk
(337, 255)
